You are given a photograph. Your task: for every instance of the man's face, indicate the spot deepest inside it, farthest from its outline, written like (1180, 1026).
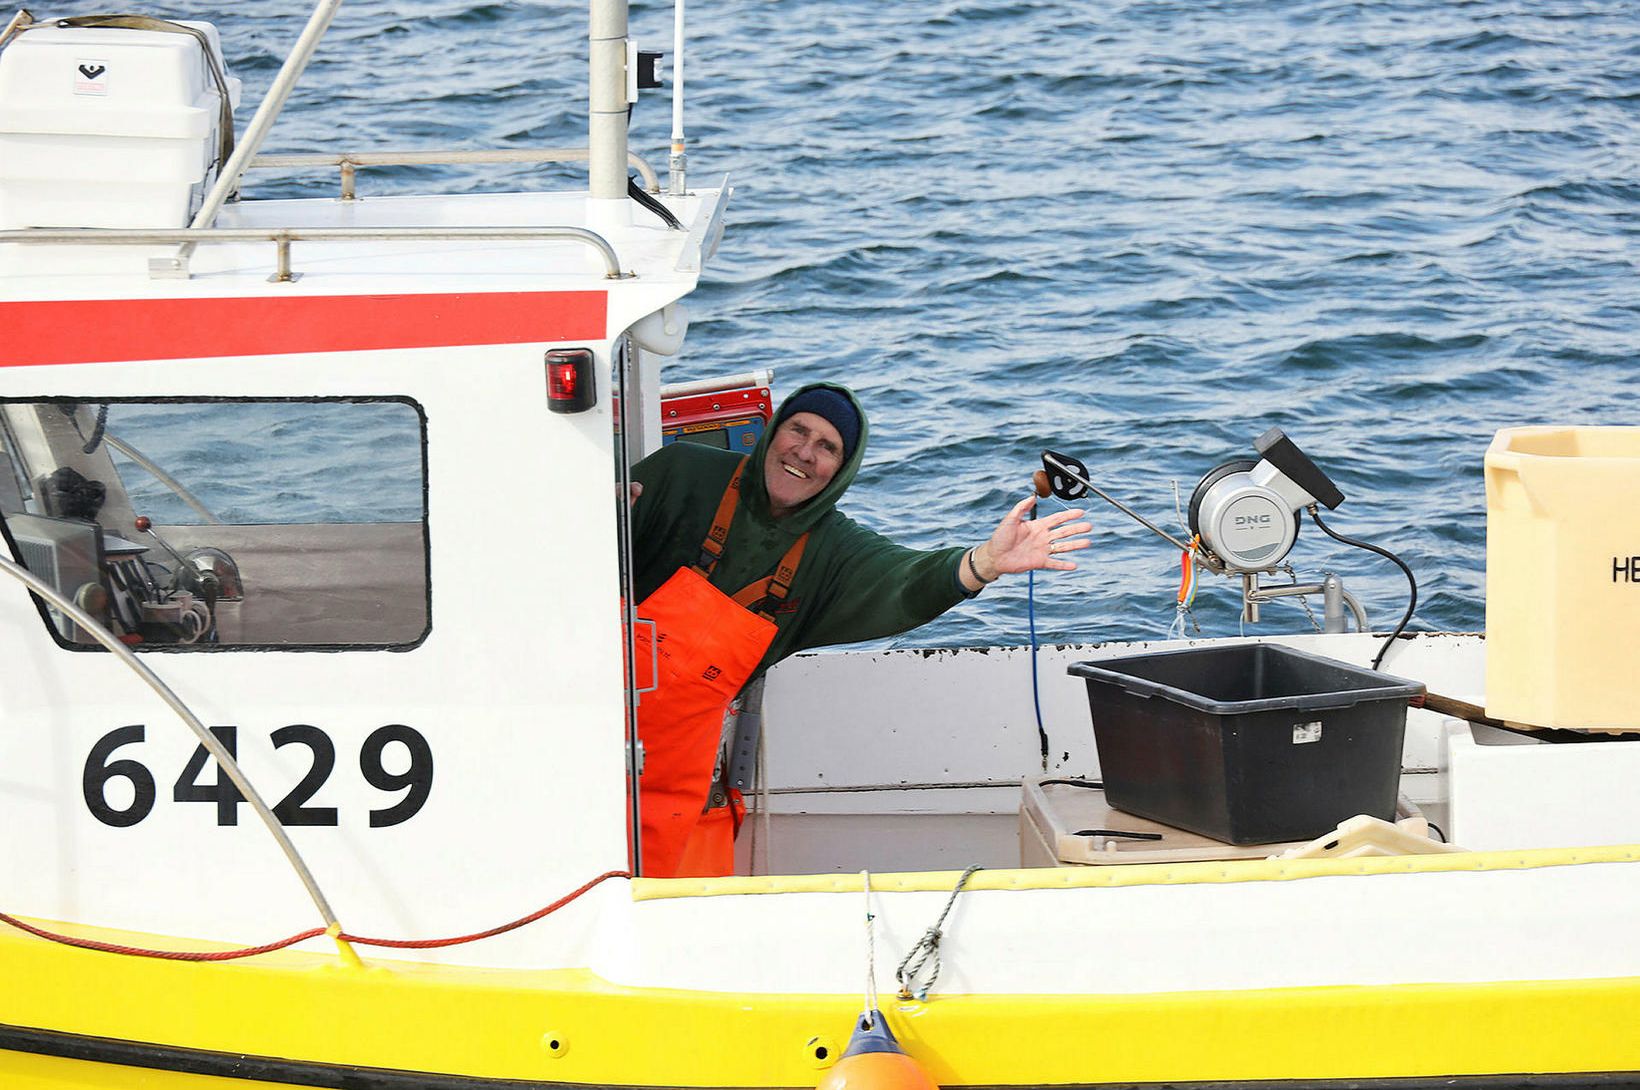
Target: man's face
(804, 455)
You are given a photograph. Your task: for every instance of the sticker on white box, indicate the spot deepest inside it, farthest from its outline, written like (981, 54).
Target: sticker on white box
(90, 77)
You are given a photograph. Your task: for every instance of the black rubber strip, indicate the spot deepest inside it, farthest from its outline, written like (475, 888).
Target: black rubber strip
(231, 1065)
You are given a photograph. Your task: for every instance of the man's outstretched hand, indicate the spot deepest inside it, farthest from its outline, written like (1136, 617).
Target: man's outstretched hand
(1020, 544)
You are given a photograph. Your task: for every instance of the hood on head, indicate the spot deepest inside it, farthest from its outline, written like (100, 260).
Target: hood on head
(756, 496)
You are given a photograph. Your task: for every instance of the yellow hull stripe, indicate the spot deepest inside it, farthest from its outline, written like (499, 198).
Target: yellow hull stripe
(570, 1026)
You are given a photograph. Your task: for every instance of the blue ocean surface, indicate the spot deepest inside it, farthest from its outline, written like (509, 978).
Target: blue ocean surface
(1140, 233)
(273, 461)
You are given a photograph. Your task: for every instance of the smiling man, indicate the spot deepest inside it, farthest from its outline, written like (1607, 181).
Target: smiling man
(741, 561)
(808, 449)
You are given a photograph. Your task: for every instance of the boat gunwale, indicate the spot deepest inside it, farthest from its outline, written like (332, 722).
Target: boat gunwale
(1133, 874)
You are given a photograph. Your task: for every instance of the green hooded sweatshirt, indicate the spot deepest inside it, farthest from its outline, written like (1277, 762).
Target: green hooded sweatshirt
(852, 584)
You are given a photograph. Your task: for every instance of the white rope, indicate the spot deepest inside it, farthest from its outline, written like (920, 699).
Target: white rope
(1176, 630)
(927, 951)
(871, 955)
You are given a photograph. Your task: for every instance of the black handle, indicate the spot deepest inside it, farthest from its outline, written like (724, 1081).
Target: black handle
(1274, 447)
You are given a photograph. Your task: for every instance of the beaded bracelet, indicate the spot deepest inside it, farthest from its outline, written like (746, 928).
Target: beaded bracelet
(973, 567)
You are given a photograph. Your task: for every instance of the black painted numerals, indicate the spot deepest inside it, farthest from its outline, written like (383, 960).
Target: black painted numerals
(222, 792)
(290, 810)
(418, 777)
(380, 749)
(99, 770)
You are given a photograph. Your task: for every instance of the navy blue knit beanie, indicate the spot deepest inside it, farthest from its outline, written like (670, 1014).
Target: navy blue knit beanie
(830, 406)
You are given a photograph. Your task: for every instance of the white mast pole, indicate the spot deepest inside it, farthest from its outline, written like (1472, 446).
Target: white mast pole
(607, 112)
(678, 161)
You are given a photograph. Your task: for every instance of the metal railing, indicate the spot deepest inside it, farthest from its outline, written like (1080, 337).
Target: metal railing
(350, 161)
(282, 237)
(763, 376)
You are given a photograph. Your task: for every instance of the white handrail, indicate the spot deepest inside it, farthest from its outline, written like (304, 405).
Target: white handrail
(350, 161)
(763, 376)
(282, 237)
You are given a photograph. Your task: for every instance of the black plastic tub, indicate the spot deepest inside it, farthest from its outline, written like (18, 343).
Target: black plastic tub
(1247, 743)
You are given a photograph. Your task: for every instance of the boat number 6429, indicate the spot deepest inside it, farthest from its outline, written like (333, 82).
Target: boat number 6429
(416, 781)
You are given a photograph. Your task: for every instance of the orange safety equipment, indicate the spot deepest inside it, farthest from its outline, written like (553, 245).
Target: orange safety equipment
(706, 645)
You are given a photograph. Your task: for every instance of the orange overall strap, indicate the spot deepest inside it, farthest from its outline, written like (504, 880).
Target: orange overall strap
(711, 550)
(765, 595)
(761, 596)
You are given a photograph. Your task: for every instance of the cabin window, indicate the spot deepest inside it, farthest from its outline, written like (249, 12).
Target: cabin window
(256, 524)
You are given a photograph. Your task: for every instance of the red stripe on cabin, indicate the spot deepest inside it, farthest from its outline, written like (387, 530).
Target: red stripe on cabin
(107, 330)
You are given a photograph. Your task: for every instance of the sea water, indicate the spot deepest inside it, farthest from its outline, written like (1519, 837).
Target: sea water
(1139, 233)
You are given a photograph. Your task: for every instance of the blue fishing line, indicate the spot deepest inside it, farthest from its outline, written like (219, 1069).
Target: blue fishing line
(1030, 621)
(1035, 684)
(1036, 692)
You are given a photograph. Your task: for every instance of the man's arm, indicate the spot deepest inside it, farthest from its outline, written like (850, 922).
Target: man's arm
(873, 587)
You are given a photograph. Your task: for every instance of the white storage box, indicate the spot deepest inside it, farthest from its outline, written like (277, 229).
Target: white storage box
(105, 127)
(1064, 824)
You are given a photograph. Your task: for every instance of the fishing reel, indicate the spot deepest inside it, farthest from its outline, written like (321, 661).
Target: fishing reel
(1246, 513)
(1243, 520)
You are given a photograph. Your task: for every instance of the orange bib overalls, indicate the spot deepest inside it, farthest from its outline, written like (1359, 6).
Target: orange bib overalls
(706, 645)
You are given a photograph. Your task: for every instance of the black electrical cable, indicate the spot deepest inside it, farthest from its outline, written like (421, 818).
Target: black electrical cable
(71, 410)
(636, 192)
(1439, 832)
(97, 432)
(1412, 581)
(1118, 833)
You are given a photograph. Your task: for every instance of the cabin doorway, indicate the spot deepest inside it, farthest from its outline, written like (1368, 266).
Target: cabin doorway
(627, 406)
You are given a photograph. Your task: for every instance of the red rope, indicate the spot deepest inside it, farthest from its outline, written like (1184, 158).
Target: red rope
(311, 933)
(169, 955)
(428, 944)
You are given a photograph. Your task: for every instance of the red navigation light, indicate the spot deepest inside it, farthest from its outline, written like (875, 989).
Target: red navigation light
(571, 386)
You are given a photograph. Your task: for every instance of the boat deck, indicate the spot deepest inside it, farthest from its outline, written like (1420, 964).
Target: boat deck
(916, 760)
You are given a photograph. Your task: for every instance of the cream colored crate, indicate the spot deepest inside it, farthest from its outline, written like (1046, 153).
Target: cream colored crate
(1563, 577)
(1052, 815)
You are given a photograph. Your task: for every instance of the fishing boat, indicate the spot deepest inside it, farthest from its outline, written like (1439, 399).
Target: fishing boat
(342, 795)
